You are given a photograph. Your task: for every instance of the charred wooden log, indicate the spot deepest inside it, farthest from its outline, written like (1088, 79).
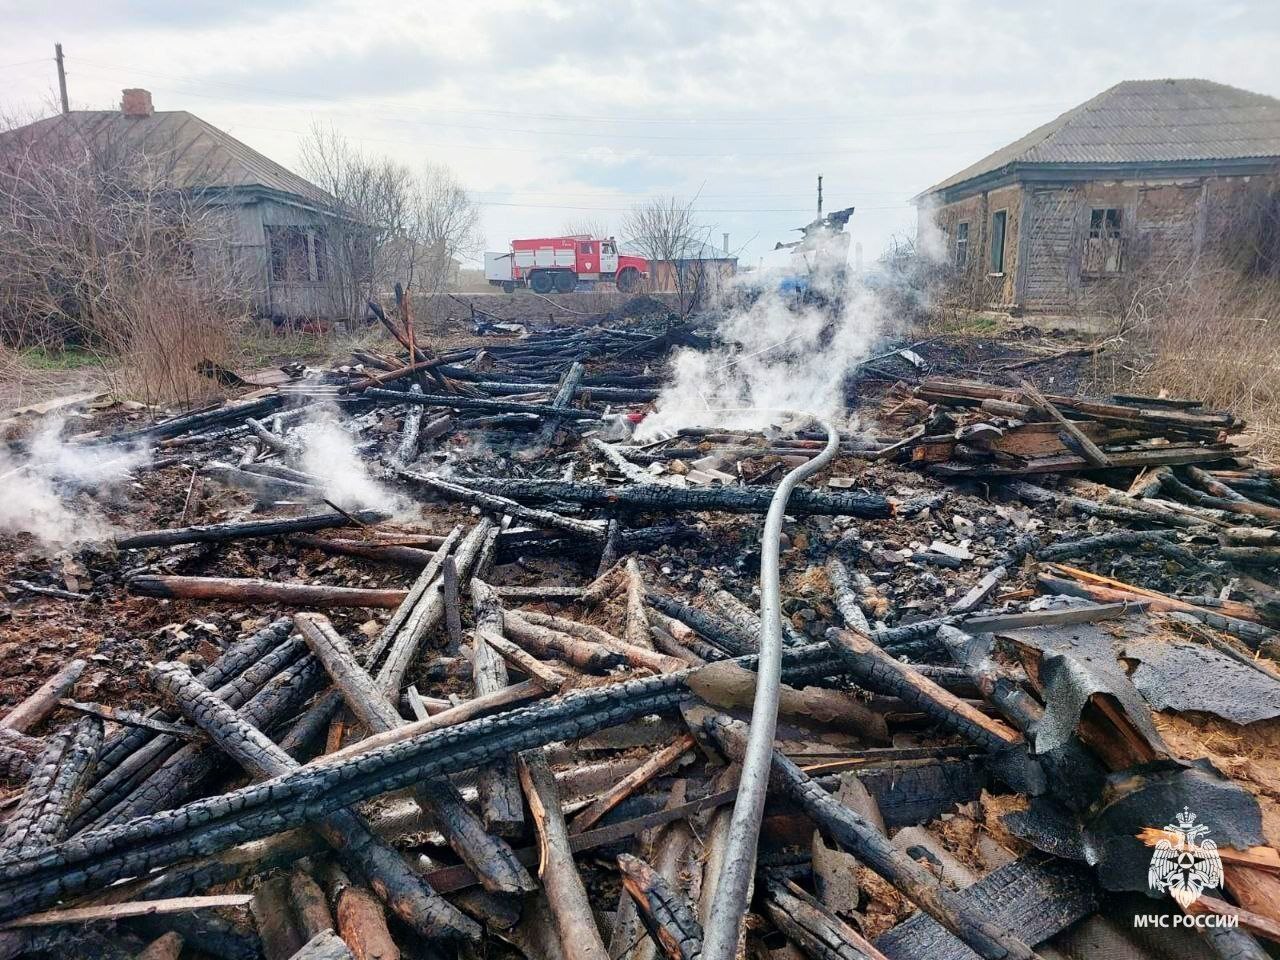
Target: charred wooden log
(348, 833)
(201, 420)
(549, 678)
(498, 504)
(447, 745)
(490, 858)
(360, 917)
(544, 642)
(427, 612)
(309, 904)
(579, 936)
(624, 466)
(44, 701)
(874, 669)
(729, 686)
(659, 497)
(1118, 539)
(724, 634)
(253, 590)
(183, 773)
(281, 938)
(748, 621)
(637, 620)
(52, 795)
(452, 611)
(405, 610)
(499, 789)
(636, 656)
(481, 403)
(394, 553)
(815, 930)
(126, 744)
(160, 770)
(666, 913)
(846, 597)
(564, 397)
(871, 847)
(686, 642)
(18, 754)
(1248, 508)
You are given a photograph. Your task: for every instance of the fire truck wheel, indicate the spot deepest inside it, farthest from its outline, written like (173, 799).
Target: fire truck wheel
(628, 279)
(541, 281)
(565, 282)
(508, 287)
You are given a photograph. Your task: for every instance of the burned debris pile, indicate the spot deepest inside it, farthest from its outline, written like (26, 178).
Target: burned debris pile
(461, 666)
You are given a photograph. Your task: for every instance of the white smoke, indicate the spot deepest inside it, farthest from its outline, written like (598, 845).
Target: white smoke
(777, 354)
(931, 239)
(328, 452)
(46, 486)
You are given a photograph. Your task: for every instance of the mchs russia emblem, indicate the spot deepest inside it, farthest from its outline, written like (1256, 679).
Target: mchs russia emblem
(1184, 865)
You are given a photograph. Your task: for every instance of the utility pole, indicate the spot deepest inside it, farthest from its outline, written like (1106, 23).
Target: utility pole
(819, 195)
(62, 77)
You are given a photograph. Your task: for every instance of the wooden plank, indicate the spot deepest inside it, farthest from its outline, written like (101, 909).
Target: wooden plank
(132, 908)
(1151, 457)
(1088, 449)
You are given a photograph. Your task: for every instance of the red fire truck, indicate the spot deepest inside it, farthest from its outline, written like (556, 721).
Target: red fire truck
(559, 263)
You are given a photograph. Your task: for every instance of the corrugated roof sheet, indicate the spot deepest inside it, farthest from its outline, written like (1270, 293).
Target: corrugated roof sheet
(202, 156)
(1147, 121)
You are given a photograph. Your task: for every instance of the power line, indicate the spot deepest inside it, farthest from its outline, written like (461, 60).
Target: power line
(590, 118)
(612, 137)
(25, 63)
(624, 157)
(701, 210)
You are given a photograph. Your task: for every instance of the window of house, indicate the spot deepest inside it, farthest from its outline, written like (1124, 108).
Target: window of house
(298, 255)
(962, 244)
(1104, 247)
(290, 259)
(998, 220)
(319, 255)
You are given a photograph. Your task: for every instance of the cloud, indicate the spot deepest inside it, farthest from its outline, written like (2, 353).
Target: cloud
(882, 97)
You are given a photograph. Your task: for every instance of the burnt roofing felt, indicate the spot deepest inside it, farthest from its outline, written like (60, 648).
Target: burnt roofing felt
(1146, 121)
(202, 156)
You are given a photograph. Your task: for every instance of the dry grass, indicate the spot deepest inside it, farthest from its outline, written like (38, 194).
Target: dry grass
(1212, 336)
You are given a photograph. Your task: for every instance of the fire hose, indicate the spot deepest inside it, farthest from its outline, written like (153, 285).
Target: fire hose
(720, 939)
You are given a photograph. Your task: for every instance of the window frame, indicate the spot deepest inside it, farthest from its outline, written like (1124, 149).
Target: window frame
(993, 270)
(297, 254)
(960, 257)
(1106, 236)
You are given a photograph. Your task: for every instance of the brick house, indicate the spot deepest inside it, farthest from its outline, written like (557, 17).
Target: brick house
(1145, 176)
(282, 228)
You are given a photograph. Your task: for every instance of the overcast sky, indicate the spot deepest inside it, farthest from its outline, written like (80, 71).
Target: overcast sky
(561, 112)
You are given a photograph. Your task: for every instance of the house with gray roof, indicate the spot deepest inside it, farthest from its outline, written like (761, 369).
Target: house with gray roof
(283, 230)
(1147, 175)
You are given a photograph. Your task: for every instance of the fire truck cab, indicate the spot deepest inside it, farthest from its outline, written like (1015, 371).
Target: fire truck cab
(559, 263)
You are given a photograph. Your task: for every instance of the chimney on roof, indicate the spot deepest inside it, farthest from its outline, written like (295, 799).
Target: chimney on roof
(136, 102)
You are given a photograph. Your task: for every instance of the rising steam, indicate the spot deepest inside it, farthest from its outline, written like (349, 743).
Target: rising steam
(45, 487)
(328, 452)
(775, 354)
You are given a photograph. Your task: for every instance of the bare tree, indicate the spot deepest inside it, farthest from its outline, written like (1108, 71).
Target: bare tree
(389, 224)
(585, 227)
(444, 225)
(667, 232)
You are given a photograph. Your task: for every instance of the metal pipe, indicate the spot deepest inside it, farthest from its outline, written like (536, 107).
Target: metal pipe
(720, 940)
